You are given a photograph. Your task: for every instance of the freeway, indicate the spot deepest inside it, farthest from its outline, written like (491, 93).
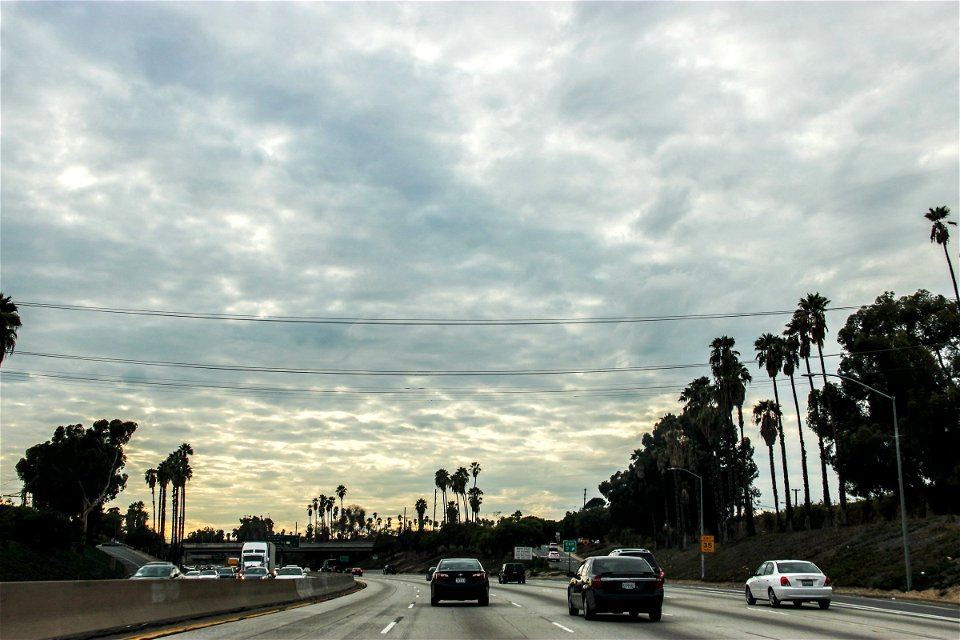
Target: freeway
(398, 607)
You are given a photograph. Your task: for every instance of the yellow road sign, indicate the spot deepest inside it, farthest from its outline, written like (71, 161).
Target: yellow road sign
(706, 544)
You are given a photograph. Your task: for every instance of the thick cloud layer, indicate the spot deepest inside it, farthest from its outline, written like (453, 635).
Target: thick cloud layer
(452, 161)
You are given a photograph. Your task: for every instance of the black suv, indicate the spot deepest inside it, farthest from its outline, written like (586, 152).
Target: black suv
(512, 572)
(640, 553)
(389, 569)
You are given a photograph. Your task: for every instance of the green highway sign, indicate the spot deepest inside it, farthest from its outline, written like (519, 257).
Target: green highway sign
(290, 542)
(569, 546)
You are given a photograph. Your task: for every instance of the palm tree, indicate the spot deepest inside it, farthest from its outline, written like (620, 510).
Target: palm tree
(319, 514)
(9, 324)
(800, 326)
(766, 414)
(150, 477)
(475, 471)
(185, 472)
(442, 479)
(770, 355)
(341, 491)
(163, 478)
(475, 501)
(331, 500)
(814, 307)
(941, 235)
(791, 360)
(459, 479)
(421, 509)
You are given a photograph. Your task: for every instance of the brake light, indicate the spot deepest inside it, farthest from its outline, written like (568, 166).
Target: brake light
(482, 575)
(826, 581)
(784, 581)
(595, 582)
(440, 576)
(659, 583)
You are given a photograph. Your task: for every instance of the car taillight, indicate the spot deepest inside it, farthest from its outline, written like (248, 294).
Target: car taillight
(440, 576)
(481, 575)
(659, 583)
(826, 581)
(595, 582)
(784, 581)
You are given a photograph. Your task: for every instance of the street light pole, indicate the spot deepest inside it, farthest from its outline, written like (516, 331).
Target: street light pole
(896, 442)
(700, 483)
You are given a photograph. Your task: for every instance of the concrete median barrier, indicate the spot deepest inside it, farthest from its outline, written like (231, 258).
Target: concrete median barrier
(44, 610)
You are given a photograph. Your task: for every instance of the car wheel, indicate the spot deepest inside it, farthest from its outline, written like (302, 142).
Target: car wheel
(570, 608)
(524, 581)
(499, 579)
(749, 596)
(588, 612)
(434, 602)
(484, 601)
(633, 614)
(824, 604)
(655, 615)
(797, 604)
(774, 600)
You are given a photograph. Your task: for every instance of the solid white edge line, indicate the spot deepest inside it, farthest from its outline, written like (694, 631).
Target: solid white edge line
(516, 605)
(563, 627)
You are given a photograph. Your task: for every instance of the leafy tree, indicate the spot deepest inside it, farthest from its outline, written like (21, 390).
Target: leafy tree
(136, 517)
(206, 534)
(476, 499)
(9, 324)
(940, 234)
(78, 470)
(908, 348)
(253, 529)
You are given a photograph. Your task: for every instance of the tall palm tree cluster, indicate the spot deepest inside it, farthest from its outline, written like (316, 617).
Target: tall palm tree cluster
(457, 483)
(940, 234)
(707, 439)
(175, 471)
(327, 519)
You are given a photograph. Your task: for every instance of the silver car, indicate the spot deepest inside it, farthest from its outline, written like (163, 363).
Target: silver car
(796, 581)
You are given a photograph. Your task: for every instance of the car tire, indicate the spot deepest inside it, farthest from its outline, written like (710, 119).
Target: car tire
(434, 601)
(774, 600)
(524, 581)
(655, 615)
(572, 610)
(499, 579)
(824, 604)
(797, 604)
(484, 601)
(633, 614)
(749, 596)
(588, 612)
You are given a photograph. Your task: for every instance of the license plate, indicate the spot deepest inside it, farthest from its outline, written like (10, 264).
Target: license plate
(806, 583)
(460, 580)
(629, 585)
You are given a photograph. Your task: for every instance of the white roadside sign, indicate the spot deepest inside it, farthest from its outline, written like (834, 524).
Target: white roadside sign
(523, 553)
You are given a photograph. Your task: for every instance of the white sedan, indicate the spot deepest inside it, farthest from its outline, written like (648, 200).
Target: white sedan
(795, 581)
(291, 572)
(553, 556)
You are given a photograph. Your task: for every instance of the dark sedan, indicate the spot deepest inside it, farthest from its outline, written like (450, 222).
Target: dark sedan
(616, 584)
(460, 579)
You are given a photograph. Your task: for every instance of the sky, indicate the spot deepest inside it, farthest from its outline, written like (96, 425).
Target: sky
(365, 241)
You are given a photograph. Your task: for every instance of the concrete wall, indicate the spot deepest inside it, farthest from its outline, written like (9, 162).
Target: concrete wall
(35, 610)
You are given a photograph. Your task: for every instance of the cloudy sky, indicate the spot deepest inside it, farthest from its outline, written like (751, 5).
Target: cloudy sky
(339, 220)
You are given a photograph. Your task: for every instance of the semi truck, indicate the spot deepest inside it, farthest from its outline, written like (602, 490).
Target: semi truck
(259, 554)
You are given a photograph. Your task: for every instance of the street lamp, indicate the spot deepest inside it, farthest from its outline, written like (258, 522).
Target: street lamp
(700, 481)
(896, 442)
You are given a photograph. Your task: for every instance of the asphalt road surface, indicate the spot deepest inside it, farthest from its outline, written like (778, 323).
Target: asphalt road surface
(398, 606)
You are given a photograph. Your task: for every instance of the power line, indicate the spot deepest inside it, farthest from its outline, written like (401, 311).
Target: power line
(408, 321)
(360, 372)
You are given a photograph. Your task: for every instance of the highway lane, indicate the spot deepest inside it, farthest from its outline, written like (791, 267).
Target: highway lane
(399, 607)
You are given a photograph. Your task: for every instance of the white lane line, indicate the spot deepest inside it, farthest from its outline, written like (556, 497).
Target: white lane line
(387, 628)
(411, 606)
(516, 605)
(563, 627)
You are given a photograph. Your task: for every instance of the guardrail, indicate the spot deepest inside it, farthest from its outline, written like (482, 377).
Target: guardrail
(46, 610)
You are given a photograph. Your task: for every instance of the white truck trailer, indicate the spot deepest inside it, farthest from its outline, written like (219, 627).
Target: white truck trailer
(259, 554)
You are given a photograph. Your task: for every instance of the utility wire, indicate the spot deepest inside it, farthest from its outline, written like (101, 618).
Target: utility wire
(408, 321)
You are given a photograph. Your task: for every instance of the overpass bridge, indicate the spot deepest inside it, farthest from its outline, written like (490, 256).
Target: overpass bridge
(307, 554)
